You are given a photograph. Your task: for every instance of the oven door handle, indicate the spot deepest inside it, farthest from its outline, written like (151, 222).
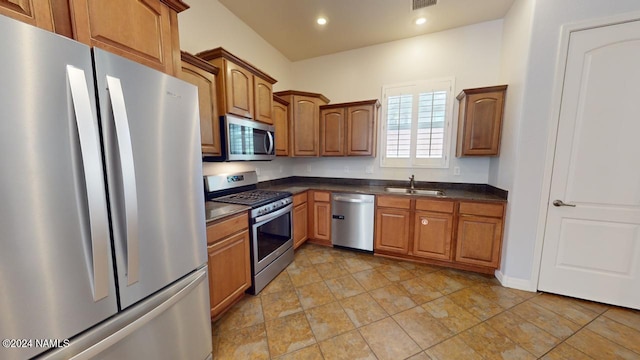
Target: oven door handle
(273, 215)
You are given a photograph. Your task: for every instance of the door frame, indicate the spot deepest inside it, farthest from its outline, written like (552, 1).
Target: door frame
(554, 122)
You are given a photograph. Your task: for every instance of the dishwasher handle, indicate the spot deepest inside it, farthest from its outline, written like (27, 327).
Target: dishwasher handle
(352, 200)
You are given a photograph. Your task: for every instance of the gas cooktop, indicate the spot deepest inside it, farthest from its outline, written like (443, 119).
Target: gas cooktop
(253, 198)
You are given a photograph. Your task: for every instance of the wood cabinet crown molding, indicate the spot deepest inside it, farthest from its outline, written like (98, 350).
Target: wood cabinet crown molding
(354, 103)
(222, 53)
(280, 100)
(480, 90)
(196, 61)
(302, 93)
(176, 5)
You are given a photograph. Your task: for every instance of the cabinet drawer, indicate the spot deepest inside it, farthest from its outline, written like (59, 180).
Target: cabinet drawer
(299, 198)
(434, 205)
(482, 209)
(321, 196)
(394, 202)
(226, 227)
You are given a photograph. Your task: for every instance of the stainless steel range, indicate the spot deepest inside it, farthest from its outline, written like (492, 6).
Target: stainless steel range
(270, 222)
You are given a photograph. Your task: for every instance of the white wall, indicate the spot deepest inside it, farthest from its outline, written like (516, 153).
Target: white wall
(471, 54)
(513, 70)
(207, 24)
(536, 117)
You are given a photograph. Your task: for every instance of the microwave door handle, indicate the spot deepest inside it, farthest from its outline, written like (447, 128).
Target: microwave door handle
(125, 149)
(270, 143)
(94, 183)
(264, 143)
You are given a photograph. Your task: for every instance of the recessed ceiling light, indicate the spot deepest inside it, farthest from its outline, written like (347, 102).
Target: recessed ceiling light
(321, 21)
(420, 21)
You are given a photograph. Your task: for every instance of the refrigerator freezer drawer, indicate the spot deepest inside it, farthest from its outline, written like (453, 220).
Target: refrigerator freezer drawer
(173, 324)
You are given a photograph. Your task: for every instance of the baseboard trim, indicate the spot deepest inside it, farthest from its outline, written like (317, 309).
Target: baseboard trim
(515, 283)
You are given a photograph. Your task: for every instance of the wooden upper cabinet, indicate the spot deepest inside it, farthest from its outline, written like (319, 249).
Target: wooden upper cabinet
(362, 128)
(34, 12)
(238, 90)
(332, 128)
(480, 121)
(203, 75)
(141, 30)
(304, 121)
(281, 123)
(349, 129)
(263, 100)
(243, 89)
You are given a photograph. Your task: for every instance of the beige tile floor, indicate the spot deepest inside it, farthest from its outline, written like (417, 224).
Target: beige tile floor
(338, 304)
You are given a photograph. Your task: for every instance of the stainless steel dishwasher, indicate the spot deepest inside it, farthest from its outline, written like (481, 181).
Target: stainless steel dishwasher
(352, 220)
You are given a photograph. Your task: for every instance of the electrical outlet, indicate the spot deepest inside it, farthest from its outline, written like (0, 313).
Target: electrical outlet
(456, 170)
(346, 169)
(280, 169)
(368, 169)
(258, 171)
(308, 168)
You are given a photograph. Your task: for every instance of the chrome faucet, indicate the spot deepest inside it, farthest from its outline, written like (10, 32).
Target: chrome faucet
(412, 182)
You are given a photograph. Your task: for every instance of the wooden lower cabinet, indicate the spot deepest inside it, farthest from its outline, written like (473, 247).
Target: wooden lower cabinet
(229, 262)
(319, 203)
(479, 240)
(392, 230)
(300, 215)
(459, 234)
(432, 235)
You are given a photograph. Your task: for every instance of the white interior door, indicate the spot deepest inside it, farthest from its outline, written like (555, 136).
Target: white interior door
(592, 242)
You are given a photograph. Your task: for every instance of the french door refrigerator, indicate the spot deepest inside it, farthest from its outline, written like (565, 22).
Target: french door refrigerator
(102, 233)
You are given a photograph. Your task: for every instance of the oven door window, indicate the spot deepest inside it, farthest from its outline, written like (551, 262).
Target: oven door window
(271, 236)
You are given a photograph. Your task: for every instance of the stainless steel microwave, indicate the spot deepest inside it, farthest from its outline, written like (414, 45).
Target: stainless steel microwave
(245, 140)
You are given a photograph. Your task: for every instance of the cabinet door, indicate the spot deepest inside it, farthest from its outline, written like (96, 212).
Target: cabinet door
(34, 12)
(322, 220)
(481, 121)
(299, 225)
(479, 240)
(239, 90)
(136, 29)
(304, 126)
(229, 271)
(332, 129)
(432, 235)
(263, 96)
(281, 124)
(392, 230)
(209, 121)
(361, 130)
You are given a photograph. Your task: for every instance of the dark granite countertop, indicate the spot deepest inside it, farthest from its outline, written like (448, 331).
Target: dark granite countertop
(454, 191)
(216, 211)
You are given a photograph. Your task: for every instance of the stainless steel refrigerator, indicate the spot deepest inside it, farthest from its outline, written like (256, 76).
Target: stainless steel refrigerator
(102, 233)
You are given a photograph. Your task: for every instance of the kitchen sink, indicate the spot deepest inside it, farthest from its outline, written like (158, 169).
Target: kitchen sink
(431, 192)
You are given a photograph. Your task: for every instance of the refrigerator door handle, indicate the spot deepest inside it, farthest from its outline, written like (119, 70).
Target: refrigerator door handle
(95, 191)
(125, 149)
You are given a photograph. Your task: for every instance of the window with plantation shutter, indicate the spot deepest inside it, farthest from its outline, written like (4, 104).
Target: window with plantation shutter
(416, 124)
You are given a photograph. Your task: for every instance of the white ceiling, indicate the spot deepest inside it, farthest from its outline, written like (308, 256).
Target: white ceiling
(289, 25)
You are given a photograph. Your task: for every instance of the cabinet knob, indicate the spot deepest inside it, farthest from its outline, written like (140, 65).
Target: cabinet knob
(425, 222)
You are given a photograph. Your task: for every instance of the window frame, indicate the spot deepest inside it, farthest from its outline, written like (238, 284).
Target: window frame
(439, 84)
